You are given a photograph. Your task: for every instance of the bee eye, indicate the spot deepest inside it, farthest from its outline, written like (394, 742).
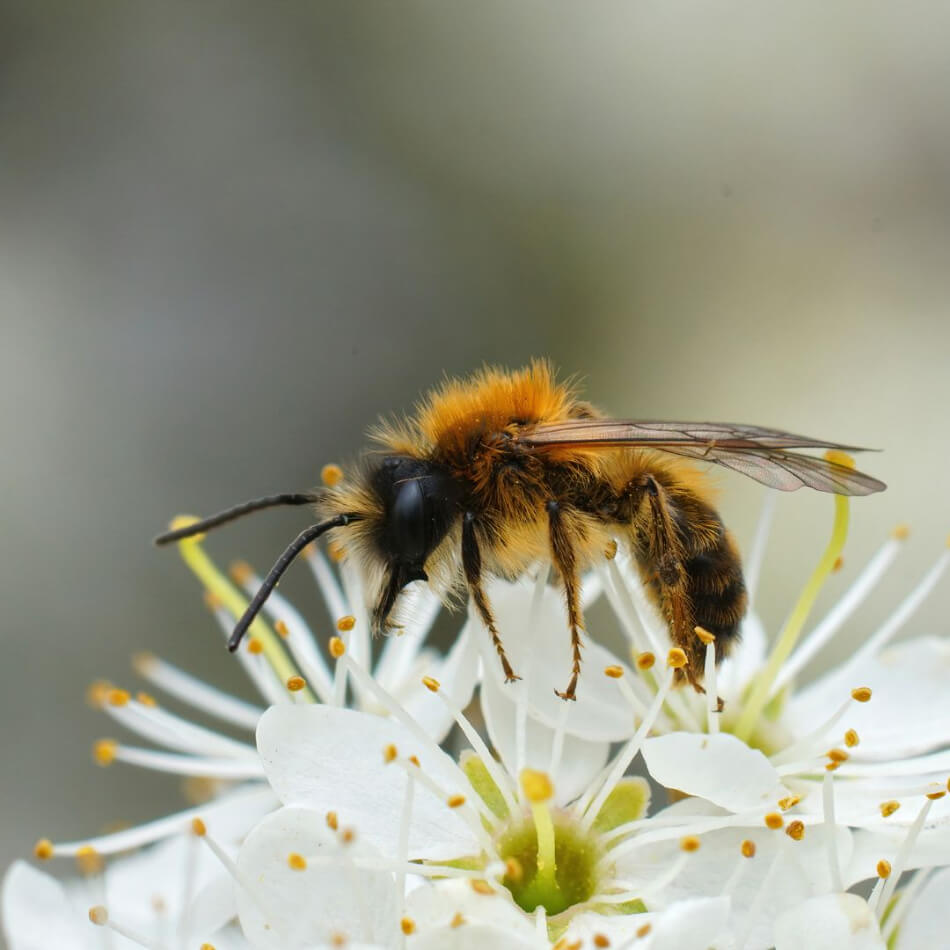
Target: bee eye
(408, 521)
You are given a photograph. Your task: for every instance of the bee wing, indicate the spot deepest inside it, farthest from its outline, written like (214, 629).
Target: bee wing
(762, 454)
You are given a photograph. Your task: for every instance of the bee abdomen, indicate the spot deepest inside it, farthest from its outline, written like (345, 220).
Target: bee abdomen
(716, 590)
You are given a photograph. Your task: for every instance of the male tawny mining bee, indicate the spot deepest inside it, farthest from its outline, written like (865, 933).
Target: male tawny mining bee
(497, 472)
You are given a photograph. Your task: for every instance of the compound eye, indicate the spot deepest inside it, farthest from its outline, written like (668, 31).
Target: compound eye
(408, 522)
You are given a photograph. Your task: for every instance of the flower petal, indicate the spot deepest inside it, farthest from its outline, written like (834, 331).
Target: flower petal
(37, 914)
(927, 922)
(829, 922)
(692, 924)
(719, 768)
(331, 759)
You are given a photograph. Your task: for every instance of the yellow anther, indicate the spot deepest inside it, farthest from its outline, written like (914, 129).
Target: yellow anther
(414, 759)
(795, 830)
(614, 672)
(774, 820)
(601, 940)
(457, 920)
(482, 887)
(645, 661)
(851, 738)
(345, 624)
(185, 521)
(610, 552)
(281, 628)
(839, 458)
(883, 868)
(455, 801)
(337, 939)
(146, 699)
(536, 786)
(644, 930)
(296, 683)
(676, 658)
(254, 646)
(331, 475)
(207, 946)
(936, 794)
(348, 835)
(514, 870)
(407, 925)
(839, 563)
(704, 635)
(296, 862)
(690, 843)
(212, 601)
(99, 915)
(43, 849)
(103, 751)
(838, 755)
(88, 860)
(337, 647)
(333, 821)
(97, 693)
(900, 532)
(861, 693)
(431, 683)
(748, 848)
(832, 766)
(241, 572)
(390, 753)
(888, 808)
(790, 801)
(119, 697)
(198, 827)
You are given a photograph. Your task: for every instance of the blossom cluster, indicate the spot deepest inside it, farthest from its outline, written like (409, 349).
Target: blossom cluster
(390, 795)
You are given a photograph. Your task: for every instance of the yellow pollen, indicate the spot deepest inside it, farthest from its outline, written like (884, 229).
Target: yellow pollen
(296, 862)
(795, 830)
(348, 836)
(839, 458)
(851, 738)
(790, 801)
(838, 755)
(212, 601)
(43, 849)
(645, 661)
(748, 848)
(185, 521)
(431, 684)
(345, 624)
(296, 683)
(704, 635)
(676, 658)
(99, 915)
(103, 752)
(610, 552)
(254, 646)
(861, 693)
(482, 887)
(601, 940)
(88, 860)
(336, 551)
(206, 946)
(198, 827)
(455, 801)
(390, 753)
(146, 699)
(888, 808)
(832, 766)
(644, 930)
(937, 794)
(97, 693)
(900, 532)
(883, 868)
(338, 940)
(407, 925)
(333, 822)
(281, 629)
(948, 784)
(774, 820)
(331, 475)
(614, 672)
(457, 920)
(513, 870)
(119, 697)
(839, 563)
(536, 786)
(241, 572)
(414, 759)
(337, 647)
(690, 843)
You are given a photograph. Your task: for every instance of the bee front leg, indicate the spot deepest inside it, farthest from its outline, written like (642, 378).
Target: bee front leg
(565, 560)
(472, 565)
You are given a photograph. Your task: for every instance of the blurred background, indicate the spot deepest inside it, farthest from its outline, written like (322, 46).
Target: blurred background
(233, 234)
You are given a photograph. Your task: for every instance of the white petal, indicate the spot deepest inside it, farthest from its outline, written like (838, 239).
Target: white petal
(289, 908)
(37, 914)
(435, 906)
(719, 768)
(692, 924)
(930, 850)
(331, 759)
(927, 923)
(829, 922)
(539, 649)
(474, 937)
(746, 658)
(909, 711)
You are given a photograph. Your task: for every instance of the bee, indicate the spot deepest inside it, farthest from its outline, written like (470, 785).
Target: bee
(495, 473)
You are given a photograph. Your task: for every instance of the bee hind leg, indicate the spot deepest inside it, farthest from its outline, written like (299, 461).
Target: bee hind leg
(472, 565)
(565, 560)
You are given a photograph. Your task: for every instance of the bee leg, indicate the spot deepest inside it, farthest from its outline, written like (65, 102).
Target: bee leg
(563, 557)
(472, 565)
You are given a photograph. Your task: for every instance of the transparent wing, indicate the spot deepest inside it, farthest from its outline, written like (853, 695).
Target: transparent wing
(762, 454)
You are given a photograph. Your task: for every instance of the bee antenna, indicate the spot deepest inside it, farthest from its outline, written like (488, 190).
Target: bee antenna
(277, 571)
(238, 511)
